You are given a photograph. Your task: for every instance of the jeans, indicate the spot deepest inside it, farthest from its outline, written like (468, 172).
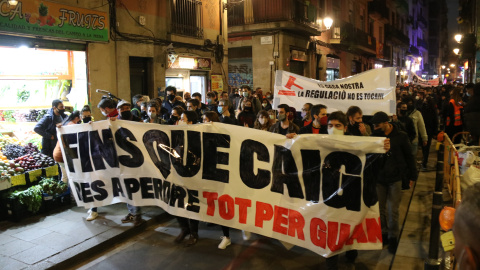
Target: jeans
(134, 210)
(389, 197)
(188, 225)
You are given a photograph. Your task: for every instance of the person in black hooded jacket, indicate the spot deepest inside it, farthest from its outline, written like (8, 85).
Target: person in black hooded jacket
(47, 126)
(400, 161)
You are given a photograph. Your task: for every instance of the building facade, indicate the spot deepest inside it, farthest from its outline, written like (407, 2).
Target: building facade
(147, 44)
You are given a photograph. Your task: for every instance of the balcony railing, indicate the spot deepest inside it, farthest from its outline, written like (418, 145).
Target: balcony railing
(187, 18)
(352, 36)
(391, 33)
(378, 9)
(264, 11)
(422, 43)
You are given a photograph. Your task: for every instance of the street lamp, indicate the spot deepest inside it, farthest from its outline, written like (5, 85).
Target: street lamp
(12, 2)
(328, 22)
(443, 66)
(452, 65)
(456, 51)
(458, 37)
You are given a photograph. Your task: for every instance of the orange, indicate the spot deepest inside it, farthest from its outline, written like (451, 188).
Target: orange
(447, 217)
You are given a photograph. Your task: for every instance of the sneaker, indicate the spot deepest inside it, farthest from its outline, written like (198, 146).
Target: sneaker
(392, 245)
(192, 240)
(137, 220)
(246, 235)
(128, 218)
(92, 215)
(225, 242)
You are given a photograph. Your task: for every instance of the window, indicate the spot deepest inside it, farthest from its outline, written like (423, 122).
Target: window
(380, 34)
(187, 18)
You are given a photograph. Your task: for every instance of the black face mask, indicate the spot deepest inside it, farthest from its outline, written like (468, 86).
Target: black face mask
(378, 133)
(403, 112)
(248, 108)
(410, 107)
(87, 119)
(61, 111)
(171, 97)
(126, 115)
(174, 118)
(356, 125)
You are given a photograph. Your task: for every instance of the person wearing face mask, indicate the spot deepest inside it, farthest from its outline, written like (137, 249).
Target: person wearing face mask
(136, 101)
(319, 122)
(284, 126)
(86, 114)
(266, 106)
(247, 117)
(225, 116)
(108, 107)
(273, 116)
(306, 114)
(211, 103)
(246, 94)
(355, 122)
(175, 116)
(263, 121)
(170, 100)
(404, 122)
(398, 164)
(125, 113)
(153, 113)
(337, 125)
(454, 115)
(47, 126)
(465, 230)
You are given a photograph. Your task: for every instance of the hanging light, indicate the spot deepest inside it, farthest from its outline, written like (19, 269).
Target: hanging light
(443, 66)
(456, 51)
(458, 37)
(12, 2)
(452, 65)
(328, 22)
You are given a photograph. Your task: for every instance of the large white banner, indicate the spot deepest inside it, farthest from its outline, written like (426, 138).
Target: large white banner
(417, 80)
(372, 91)
(309, 191)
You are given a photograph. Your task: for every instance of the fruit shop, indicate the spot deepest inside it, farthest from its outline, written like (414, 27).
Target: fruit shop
(43, 48)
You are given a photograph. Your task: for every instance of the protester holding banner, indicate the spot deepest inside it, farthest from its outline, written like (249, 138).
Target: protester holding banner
(284, 126)
(46, 127)
(263, 121)
(319, 122)
(355, 122)
(400, 161)
(86, 114)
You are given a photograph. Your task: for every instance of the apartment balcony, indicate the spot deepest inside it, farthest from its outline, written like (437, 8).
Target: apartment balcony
(378, 10)
(187, 18)
(352, 38)
(422, 21)
(394, 35)
(258, 15)
(422, 43)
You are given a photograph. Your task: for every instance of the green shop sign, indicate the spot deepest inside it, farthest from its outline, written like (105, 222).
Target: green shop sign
(43, 18)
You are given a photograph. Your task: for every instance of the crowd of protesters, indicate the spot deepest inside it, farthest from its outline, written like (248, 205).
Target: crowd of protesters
(422, 112)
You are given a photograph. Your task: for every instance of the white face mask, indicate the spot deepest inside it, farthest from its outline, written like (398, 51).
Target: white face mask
(152, 115)
(334, 131)
(262, 121)
(181, 123)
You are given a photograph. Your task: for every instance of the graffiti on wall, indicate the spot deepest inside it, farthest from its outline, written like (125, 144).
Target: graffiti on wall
(240, 72)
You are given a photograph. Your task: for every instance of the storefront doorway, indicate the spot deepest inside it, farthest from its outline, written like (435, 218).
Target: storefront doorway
(141, 79)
